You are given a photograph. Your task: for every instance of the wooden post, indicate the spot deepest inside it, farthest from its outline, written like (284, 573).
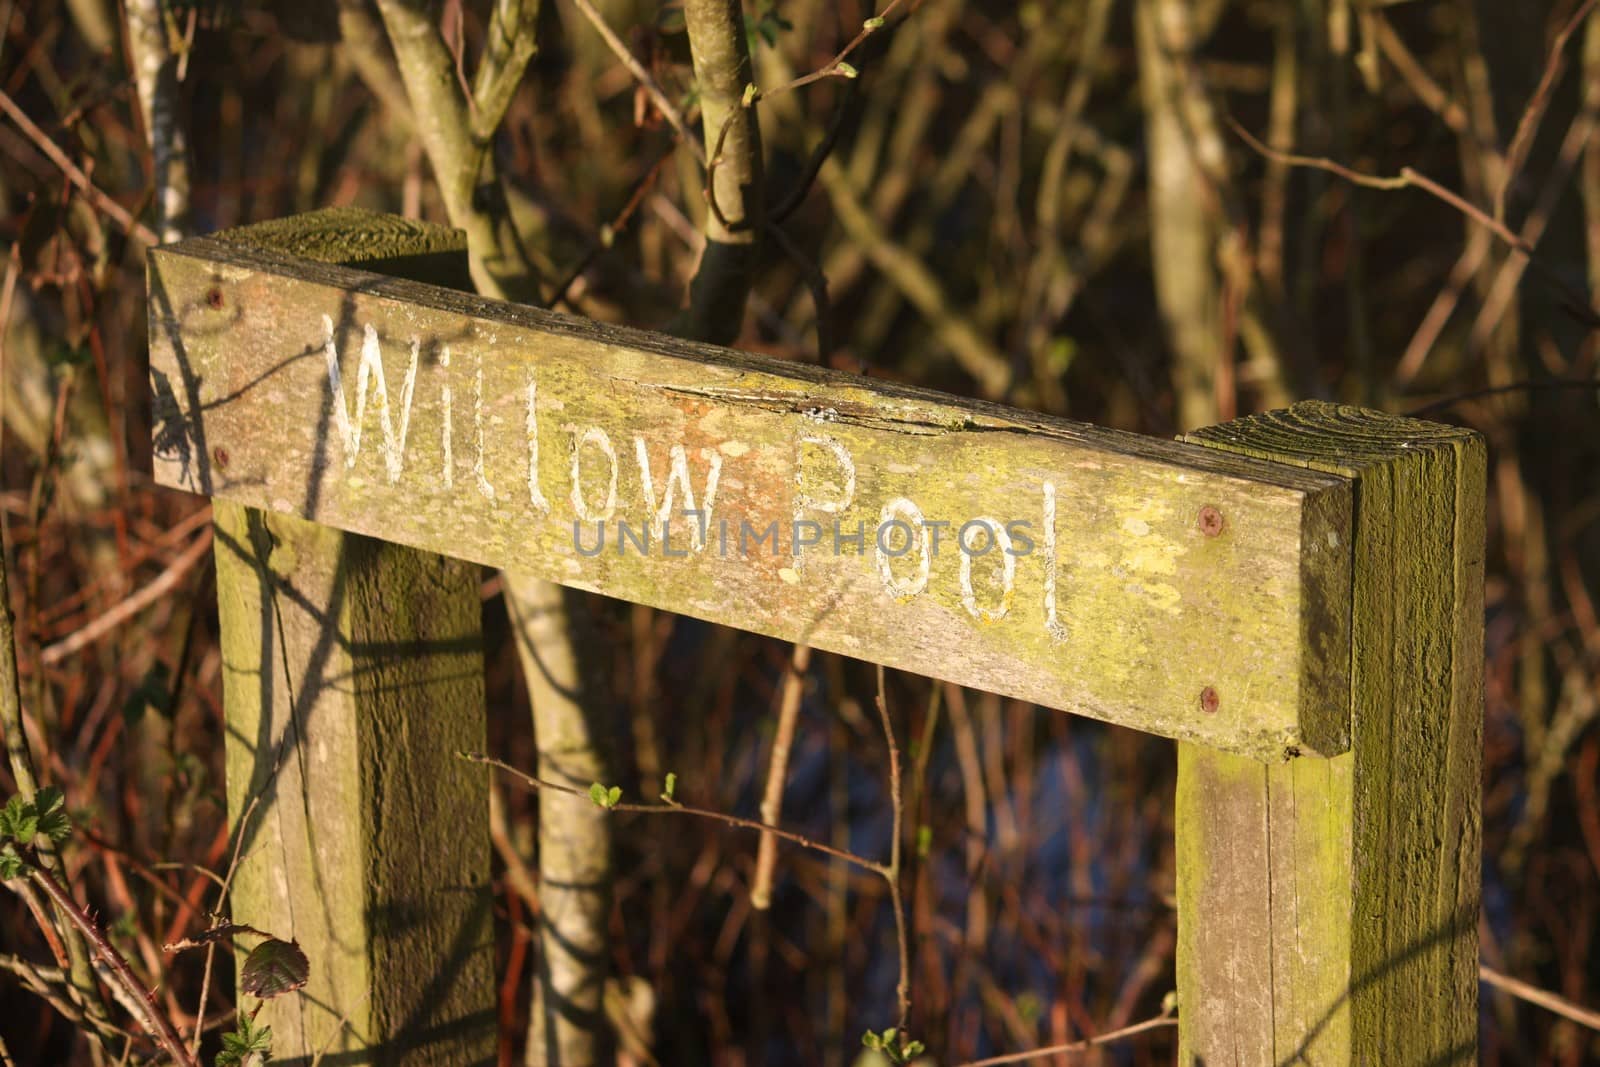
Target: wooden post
(1295, 597)
(1328, 908)
(353, 673)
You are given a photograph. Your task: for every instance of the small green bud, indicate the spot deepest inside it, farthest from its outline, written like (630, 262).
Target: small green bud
(845, 70)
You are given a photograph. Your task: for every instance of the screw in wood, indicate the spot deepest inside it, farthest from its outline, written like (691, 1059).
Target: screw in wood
(1209, 701)
(1210, 521)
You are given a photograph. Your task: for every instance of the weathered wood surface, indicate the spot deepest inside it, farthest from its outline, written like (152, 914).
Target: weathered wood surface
(1328, 909)
(352, 674)
(1154, 584)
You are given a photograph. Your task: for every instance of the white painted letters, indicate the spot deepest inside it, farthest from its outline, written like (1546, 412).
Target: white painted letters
(1052, 625)
(998, 539)
(535, 494)
(371, 366)
(592, 435)
(678, 475)
(902, 516)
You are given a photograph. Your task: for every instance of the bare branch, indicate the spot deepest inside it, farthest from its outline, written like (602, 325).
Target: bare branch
(685, 809)
(734, 172)
(117, 213)
(1411, 178)
(507, 51)
(1533, 114)
(155, 69)
(1157, 1023)
(642, 76)
(1544, 999)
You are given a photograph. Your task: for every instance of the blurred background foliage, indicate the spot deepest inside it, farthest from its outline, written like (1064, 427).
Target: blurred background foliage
(1044, 202)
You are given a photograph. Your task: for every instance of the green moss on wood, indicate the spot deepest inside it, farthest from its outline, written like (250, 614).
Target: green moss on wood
(1151, 610)
(1328, 908)
(352, 674)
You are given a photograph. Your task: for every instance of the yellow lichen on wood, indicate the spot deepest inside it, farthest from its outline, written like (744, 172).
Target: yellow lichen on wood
(352, 674)
(1328, 908)
(516, 437)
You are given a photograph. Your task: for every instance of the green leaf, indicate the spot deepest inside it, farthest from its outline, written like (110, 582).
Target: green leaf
(249, 1040)
(273, 968)
(924, 841)
(597, 793)
(672, 787)
(750, 93)
(52, 818)
(21, 820)
(871, 1040)
(613, 796)
(846, 69)
(874, 23)
(11, 864)
(913, 1048)
(11, 815)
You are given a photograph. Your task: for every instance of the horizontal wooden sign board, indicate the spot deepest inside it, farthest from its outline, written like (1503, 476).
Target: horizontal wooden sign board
(1154, 584)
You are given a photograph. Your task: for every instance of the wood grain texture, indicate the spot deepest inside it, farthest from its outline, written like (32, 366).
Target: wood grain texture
(1328, 907)
(352, 674)
(1129, 615)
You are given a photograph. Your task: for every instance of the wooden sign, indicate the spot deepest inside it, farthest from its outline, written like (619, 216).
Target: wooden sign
(1159, 585)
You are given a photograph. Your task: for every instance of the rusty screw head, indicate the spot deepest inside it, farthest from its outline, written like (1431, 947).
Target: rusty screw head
(1209, 701)
(214, 298)
(219, 456)
(1210, 521)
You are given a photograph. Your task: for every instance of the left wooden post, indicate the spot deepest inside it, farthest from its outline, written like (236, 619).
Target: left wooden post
(353, 673)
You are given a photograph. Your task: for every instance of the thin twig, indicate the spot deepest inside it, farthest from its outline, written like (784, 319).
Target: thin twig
(1495, 390)
(1544, 999)
(53, 986)
(1158, 1023)
(1411, 178)
(642, 76)
(1533, 114)
(919, 285)
(794, 681)
(211, 949)
(119, 214)
(833, 68)
(126, 609)
(608, 232)
(816, 282)
(684, 809)
(154, 1022)
(819, 156)
(902, 988)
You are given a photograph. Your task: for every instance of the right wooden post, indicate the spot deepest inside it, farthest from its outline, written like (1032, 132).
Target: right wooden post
(1328, 908)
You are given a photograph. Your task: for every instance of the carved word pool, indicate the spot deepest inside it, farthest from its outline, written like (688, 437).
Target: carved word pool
(1159, 585)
